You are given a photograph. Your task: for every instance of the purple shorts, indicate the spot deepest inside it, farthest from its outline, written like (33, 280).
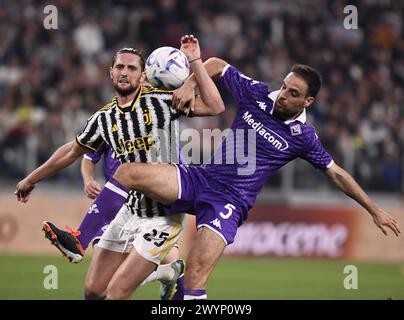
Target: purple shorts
(213, 206)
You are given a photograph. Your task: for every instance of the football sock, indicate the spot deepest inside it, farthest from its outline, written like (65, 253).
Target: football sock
(163, 272)
(195, 294)
(152, 277)
(89, 297)
(179, 293)
(102, 211)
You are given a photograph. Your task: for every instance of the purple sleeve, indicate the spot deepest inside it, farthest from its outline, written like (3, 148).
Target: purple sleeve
(242, 86)
(95, 156)
(315, 153)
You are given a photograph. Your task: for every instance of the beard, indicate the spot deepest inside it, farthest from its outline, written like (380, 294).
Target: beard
(124, 91)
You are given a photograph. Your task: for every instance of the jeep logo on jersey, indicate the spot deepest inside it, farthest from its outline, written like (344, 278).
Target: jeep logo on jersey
(132, 145)
(272, 137)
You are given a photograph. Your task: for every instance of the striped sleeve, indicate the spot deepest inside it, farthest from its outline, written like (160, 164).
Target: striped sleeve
(91, 137)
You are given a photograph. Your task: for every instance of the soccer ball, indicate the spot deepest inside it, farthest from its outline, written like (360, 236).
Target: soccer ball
(167, 68)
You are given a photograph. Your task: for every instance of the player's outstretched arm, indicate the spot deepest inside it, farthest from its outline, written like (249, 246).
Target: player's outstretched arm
(213, 66)
(210, 102)
(63, 157)
(91, 187)
(344, 181)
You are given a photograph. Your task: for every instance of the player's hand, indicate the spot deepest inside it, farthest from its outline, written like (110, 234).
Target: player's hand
(23, 190)
(190, 47)
(92, 189)
(184, 95)
(382, 220)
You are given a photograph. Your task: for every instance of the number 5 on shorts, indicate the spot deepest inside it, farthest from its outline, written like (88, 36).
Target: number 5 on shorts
(230, 209)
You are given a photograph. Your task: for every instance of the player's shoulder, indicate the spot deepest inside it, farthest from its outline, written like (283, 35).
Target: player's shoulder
(103, 109)
(150, 90)
(108, 106)
(309, 132)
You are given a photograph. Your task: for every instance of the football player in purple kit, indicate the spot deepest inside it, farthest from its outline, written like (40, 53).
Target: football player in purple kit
(220, 195)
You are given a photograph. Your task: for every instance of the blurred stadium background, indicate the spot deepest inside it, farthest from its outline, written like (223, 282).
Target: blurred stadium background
(302, 233)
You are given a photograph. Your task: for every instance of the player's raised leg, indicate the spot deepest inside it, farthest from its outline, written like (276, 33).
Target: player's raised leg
(157, 181)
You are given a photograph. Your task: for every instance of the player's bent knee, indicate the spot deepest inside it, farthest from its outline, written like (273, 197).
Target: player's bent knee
(117, 293)
(94, 290)
(126, 174)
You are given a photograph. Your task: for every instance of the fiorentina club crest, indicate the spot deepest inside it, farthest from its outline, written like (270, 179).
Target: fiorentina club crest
(296, 130)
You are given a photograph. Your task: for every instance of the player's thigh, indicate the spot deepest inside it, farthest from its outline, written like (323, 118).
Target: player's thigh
(154, 237)
(103, 265)
(173, 254)
(129, 276)
(158, 181)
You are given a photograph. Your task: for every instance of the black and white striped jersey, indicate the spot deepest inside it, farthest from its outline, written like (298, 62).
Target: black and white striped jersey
(145, 130)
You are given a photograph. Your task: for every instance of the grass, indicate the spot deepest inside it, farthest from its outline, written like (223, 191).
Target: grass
(22, 277)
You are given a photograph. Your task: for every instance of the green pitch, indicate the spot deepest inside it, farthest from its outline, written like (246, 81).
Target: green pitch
(22, 277)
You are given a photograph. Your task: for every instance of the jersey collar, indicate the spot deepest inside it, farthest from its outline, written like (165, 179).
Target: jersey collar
(302, 116)
(130, 105)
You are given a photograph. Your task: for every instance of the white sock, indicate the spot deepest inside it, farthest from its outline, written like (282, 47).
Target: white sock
(163, 272)
(150, 278)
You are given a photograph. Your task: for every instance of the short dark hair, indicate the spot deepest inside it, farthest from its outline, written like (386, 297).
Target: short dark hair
(311, 76)
(132, 51)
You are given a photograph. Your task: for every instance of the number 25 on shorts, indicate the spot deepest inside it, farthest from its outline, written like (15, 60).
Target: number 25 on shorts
(152, 236)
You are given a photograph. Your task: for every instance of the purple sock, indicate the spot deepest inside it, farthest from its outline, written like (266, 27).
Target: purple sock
(102, 211)
(89, 297)
(195, 294)
(179, 294)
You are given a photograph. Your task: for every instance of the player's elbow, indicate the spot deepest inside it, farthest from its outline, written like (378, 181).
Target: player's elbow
(215, 66)
(71, 152)
(216, 104)
(218, 63)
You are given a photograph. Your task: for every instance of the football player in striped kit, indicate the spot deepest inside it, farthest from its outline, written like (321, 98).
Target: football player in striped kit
(139, 125)
(166, 274)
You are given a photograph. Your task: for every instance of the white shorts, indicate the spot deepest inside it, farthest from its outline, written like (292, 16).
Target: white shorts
(152, 237)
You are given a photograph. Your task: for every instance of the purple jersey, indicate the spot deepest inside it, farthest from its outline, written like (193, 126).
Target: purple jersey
(277, 142)
(110, 163)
